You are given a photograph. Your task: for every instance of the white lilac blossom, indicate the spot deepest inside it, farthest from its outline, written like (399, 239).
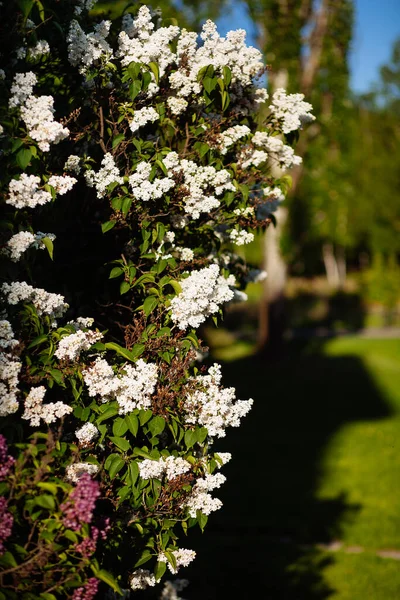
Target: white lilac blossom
(71, 346)
(21, 52)
(251, 158)
(200, 499)
(25, 192)
(37, 113)
(141, 117)
(171, 589)
(84, 5)
(42, 47)
(74, 472)
(10, 367)
(62, 183)
(132, 387)
(170, 466)
(230, 136)
(35, 410)
(85, 49)
(7, 339)
(109, 173)
(177, 105)
(224, 457)
(179, 221)
(20, 242)
(45, 303)
(21, 88)
(241, 237)
(244, 212)
(144, 189)
(290, 110)
(186, 254)
(213, 406)
(73, 163)
(86, 434)
(284, 155)
(183, 558)
(196, 181)
(2, 74)
(141, 579)
(202, 294)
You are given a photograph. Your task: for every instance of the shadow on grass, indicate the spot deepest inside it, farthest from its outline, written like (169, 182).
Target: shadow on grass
(262, 544)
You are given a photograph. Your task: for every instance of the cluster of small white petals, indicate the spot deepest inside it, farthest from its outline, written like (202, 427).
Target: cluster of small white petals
(141, 117)
(177, 105)
(9, 371)
(225, 457)
(144, 189)
(20, 242)
(21, 52)
(42, 47)
(202, 294)
(171, 589)
(196, 181)
(22, 88)
(74, 472)
(241, 237)
(109, 173)
(25, 193)
(290, 110)
(86, 434)
(200, 499)
(281, 153)
(183, 558)
(186, 254)
(244, 212)
(45, 303)
(85, 49)
(84, 5)
(132, 388)
(141, 579)
(227, 138)
(253, 158)
(179, 221)
(37, 113)
(35, 410)
(73, 163)
(82, 323)
(62, 183)
(170, 466)
(213, 406)
(71, 346)
(260, 95)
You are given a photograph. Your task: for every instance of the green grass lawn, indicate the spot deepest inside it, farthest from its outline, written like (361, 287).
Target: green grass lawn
(317, 460)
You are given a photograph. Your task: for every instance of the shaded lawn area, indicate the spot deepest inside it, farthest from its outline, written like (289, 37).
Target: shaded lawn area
(317, 460)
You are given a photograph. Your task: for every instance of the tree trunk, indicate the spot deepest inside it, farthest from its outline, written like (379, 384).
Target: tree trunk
(331, 266)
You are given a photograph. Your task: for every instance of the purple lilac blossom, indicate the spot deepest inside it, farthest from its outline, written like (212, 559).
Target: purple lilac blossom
(88, 591)
(78, 509)
(6, 523)
(6, 461)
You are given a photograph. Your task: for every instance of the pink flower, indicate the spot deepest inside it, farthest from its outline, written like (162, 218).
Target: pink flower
(78, 509)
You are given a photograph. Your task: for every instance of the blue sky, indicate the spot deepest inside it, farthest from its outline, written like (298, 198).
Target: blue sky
(377, 26)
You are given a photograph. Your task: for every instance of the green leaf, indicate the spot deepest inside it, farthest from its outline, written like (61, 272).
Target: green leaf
(47, 596)
(149, 305)
(124, 287)
(24, 158)
(160, 569)
(202, 433)
(133, 471)
(128, 354)
(209, 84)
(116, 465)
(135, 88)
(227, 73)
(144, 416)
(156, 425)
(107, 414)
(117, 140)
(37, 341)
(121, 443)
(126, 205)
(105, 576)
(48, 487)
(190, 438)
(132, 423)
(57, 376)
(71, 536)
(156, 72)
(45, 501)
(201, 519)
(144, 557)
(176, 285)
(116, 272)
(120, 427)
(124, 492)
(107, 226)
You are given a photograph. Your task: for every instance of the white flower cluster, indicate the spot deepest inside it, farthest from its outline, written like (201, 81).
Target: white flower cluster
(200, 499)
(241, 237)
(177, 105)
(73, 163)
(84, 5)
(274, 197)
(186, 254)
(37, 113)
(21, 88)
(141, 117)
(74, 472)
(86, 434)
(85, 49)
(197, 180)
(277, 150)
(182, 556)
(9, 371)
(290, 110)
(143, 189)
(82, 323)
(35, 410)
(202, 294)
(42, 47)
(62, 183)
(45, 303)
(249, 157)
(20, 242)
(213, 406)
(244, 212)
(141, 579)
(25, 193)
(171, 589)
(71, 346)
(132, 388)
(170, 466)
(227, 138)
(109, 173)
